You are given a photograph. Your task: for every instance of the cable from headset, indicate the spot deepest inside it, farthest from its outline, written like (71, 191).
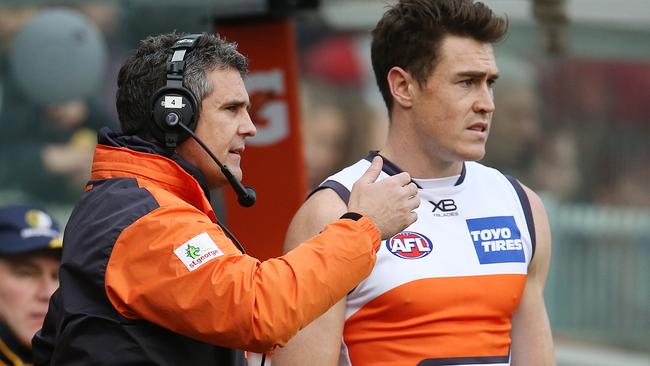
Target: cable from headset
(245, 195)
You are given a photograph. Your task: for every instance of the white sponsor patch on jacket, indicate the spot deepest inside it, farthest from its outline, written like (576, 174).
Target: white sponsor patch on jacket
(198, 251)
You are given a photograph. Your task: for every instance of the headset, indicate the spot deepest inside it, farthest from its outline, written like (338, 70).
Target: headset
(175, 115)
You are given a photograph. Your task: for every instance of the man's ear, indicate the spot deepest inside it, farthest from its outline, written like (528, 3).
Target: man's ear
(401, 86)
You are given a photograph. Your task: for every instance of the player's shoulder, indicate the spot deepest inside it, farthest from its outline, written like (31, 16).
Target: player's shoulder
(478, 168)
(320, 209)
(342, 181)
(348, 175)
(535, 200)
(324, 204)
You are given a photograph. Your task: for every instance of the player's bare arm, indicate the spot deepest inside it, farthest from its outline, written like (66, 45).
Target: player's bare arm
(532, 342)
(319, 343)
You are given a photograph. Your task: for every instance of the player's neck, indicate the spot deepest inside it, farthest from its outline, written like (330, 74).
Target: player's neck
(418, 162)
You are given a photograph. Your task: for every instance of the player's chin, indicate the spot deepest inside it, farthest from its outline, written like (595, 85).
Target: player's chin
(474, 153)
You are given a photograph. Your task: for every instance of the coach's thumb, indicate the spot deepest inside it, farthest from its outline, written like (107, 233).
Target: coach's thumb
(370, 176)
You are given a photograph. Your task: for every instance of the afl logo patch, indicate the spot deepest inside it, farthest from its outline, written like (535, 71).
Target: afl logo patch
(409, 245)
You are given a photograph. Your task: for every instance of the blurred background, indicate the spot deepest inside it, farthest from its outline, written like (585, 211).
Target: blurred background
(572, 122)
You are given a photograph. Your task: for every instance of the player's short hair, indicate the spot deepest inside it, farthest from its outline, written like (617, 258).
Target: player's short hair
(409, 35)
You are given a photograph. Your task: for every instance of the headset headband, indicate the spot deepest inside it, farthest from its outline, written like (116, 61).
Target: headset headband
(176, 62)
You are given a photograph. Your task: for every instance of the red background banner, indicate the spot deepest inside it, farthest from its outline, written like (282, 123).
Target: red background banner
(273, 165)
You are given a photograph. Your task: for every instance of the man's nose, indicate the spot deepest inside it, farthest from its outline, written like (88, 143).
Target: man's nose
(247, 127)
(485, 101)
(47, 287)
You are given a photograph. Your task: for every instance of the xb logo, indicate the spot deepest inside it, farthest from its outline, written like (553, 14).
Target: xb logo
(446, 205)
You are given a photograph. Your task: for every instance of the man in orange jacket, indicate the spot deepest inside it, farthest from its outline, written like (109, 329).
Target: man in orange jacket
(148, 274)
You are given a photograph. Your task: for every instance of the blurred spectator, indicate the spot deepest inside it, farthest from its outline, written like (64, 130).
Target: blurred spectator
(57, 56)
(104, 15)
(609, 120)
(520, 144)
(30, 253)
(324, 132)
(515, 131)
(12, 18)
(48, 119)
(555, 168)
(339, 124)
(107, 17)
(335, 59)
(623, 177)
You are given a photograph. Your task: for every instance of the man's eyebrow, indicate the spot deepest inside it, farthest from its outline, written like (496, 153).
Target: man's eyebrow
(478, 74)
(237, 103)
(24, 263)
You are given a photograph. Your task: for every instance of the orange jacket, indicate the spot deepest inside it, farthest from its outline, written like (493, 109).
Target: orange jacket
(228, 298)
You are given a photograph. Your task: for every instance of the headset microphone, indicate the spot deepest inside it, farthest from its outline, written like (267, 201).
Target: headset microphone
(245, 195)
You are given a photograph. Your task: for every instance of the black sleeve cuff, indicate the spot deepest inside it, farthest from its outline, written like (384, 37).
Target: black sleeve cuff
(352, 216)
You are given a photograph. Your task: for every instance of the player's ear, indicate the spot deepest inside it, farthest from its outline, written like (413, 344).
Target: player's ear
(401, 86)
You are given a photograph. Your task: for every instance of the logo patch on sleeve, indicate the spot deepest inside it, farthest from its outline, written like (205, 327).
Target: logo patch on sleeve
(496, 239)
(198, 251)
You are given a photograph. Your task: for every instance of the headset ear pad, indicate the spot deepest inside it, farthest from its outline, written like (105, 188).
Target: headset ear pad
(170, 107)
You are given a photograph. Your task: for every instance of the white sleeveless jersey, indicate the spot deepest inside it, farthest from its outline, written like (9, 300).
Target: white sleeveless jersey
(443, 291)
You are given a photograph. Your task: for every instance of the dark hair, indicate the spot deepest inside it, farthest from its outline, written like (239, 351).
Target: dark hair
(144, 72)
(409, 35)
